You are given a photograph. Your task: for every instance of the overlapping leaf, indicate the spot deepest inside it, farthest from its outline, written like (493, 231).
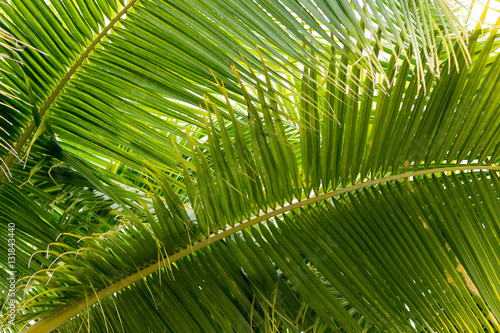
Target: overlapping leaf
(291, 121)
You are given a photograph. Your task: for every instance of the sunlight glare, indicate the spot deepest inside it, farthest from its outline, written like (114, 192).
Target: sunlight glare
(491, 16)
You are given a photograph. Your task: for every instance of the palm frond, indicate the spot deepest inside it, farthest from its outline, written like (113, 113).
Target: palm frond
(242, 167)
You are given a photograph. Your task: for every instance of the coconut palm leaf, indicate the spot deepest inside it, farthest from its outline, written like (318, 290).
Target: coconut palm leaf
(240, 166)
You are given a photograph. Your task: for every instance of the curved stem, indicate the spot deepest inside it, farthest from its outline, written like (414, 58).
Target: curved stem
(27, 133)
(55, 320)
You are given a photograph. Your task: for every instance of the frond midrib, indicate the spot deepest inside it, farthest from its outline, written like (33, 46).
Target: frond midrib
(9, 160)
(49, 323)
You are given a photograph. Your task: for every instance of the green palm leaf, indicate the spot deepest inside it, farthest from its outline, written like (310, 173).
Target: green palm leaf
(250, 166)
